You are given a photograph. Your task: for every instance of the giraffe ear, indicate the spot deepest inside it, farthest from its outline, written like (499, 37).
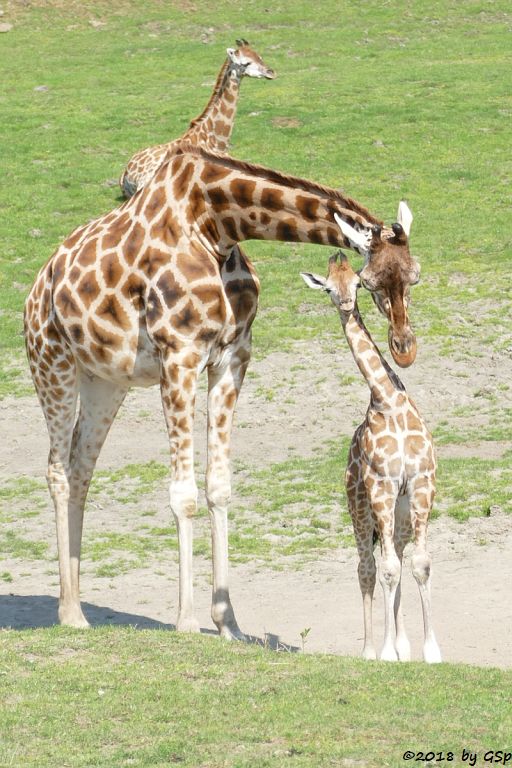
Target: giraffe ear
(404, 217)
(232, 53)
(316, 282)
(360, 241)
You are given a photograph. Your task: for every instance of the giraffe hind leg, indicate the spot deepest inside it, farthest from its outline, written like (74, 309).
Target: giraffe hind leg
(99, 403)
(56, 381)
(364, 532)
(73, 453)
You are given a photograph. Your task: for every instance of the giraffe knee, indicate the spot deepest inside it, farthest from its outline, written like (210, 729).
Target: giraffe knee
(218, 494)
(183, 499)
(390, 571)
(57, 480)
(421, 565)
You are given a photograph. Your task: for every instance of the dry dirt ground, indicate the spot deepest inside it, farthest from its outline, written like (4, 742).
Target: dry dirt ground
(472, 574)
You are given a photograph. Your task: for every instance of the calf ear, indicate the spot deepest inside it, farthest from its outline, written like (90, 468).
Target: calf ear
(314, 281)
(404, 217)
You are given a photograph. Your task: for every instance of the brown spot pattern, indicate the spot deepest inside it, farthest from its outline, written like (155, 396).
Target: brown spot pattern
(112, 311)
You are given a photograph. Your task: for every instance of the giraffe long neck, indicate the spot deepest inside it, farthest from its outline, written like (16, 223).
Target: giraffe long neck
(230, 201)
(218, 117)
(381, 378)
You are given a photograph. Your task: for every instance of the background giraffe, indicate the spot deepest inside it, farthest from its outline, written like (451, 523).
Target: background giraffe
(151, 292)
(390, 476)
(212, 128)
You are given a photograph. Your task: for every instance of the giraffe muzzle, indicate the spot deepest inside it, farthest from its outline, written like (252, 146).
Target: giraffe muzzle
(402, 347)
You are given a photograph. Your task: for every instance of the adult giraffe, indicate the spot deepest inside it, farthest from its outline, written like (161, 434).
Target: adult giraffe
(152, 292)
(212, 128)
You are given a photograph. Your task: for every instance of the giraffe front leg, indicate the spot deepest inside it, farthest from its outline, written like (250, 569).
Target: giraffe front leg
(223, 388)
(390, 579)
(402, 537)
(382, 501)
(183, 500)
(422, 497)
(421, 568)
(178, 389)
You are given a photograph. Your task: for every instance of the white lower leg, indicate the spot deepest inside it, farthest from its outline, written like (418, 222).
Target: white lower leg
(389, 579)
(402, 645)
(183, 497)
(366, 572)
(368, 651)
(222, 610)
(421, 568)
(224, 385)
(70, 611)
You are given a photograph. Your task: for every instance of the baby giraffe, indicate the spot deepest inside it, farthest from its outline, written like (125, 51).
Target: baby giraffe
(390, 477)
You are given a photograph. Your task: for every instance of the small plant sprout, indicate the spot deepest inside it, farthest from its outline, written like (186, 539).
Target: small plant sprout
(303, 636)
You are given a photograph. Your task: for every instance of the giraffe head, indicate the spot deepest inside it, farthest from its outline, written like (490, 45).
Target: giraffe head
(388, 274)
(247, 62)
(341, 284)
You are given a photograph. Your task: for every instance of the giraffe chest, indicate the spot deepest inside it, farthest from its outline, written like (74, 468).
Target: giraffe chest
(396, 447)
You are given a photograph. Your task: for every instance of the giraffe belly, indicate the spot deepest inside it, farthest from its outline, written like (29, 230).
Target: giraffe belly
(136, 363)
(142, 368)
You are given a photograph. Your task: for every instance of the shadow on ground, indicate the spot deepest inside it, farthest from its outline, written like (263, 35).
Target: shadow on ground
(37, 611)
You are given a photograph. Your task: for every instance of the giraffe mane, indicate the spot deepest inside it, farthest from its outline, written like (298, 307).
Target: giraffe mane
(348, 204)
(216, 90)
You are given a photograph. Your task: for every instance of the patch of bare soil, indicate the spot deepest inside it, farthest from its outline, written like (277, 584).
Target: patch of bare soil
(290, 405)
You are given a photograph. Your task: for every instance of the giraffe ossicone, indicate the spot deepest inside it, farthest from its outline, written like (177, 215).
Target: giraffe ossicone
(390, 478)
(150, 293)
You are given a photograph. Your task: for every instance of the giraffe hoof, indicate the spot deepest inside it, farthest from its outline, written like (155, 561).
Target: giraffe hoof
(188, 625)
(431, 653)
(369, 654)
(403, 650)
(232, 633)
(388, 654)
(73, 618)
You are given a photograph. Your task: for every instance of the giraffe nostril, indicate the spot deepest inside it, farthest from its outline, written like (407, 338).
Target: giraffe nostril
(397, 344)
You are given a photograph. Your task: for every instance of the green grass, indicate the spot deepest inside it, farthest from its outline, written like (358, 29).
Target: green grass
(457, 430)
(470, 487)
(14, 545)
(22, 486)
(129, 483)
(122, 697)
